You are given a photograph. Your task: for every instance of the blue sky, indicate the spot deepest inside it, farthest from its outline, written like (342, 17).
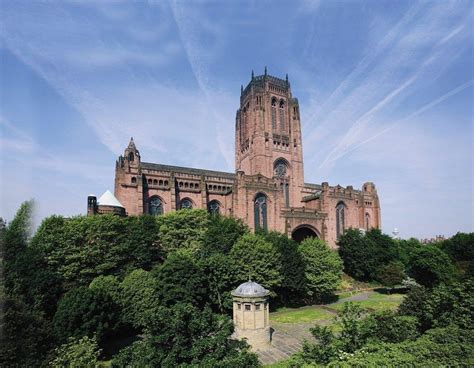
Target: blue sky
(385, 88)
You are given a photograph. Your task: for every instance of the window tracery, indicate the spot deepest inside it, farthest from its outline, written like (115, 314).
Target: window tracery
(155, 206)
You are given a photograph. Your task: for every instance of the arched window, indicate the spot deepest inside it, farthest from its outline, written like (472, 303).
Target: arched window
(260, 212)
(185, 203)
(280, 168)
(367, 221)
(134, 180)
(274, 113)
(214, 207)
(340, 208)
(282, 116)
(131, 157)
(155, 206)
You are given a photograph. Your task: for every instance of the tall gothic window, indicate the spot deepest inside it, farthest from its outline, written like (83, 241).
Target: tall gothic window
(185, 204)
(340, 208)
(213, 207)
(131, 157)
(282, 116)
(367, 221)
(260, 212)
(274, 113)
(155, 206)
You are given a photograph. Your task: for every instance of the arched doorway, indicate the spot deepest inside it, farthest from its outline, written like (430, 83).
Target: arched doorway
(303, 232)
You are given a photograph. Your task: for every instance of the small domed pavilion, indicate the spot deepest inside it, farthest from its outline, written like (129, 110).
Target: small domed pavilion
(251, 314)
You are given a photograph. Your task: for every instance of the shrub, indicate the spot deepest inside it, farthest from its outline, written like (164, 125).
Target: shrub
(391, 274)
(322, 268)
(76, 353)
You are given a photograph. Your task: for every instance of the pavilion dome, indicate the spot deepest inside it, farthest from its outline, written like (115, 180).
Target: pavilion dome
(108, 199)
(250, 289)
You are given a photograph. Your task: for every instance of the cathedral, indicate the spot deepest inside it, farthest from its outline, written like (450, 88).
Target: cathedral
(267, 190)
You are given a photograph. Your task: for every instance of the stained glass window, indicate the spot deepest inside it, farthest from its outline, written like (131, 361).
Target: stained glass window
(186, 204)
(155, 206)
(340, 219)
(260, 212)
(213, 207)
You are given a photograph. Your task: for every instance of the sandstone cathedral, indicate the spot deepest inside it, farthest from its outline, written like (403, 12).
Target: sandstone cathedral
(267, 190)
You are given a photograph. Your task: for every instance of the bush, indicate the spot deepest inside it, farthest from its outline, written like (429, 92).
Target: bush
(180, 279)
(430, 266)
(186, 336)
(391, 274)
(85, 312)
(139, 298)
(322, 269)
(388, 326)
(254, 257)
(184, 229)
(76, 353)
(222, 233)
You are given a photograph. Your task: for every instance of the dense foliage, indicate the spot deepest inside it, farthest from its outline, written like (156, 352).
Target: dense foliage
(84, 284)
(373, 256)
(433, 327)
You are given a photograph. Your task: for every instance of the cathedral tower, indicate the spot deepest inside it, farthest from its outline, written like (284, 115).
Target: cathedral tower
(268, 134)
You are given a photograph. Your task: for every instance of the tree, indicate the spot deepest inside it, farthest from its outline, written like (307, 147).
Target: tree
(184, 229)
(441, 306)
(26, 335)
(391, 274)
(254, 257)
(85, 312)
(322, 268)
(83, 248)
(76, 353)
(186, 336)
(181, 279)
(222, 233)
(460, 247)
(292, 268)
(388, 326)
(139, 298)
(221, 280)
(430, 266)
(357, 253)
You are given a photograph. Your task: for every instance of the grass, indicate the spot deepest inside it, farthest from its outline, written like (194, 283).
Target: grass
(280, 364)
(376, 302)
(300, 315)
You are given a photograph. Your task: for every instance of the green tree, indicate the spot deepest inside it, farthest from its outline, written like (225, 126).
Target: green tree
(460, 247)
(322, 268)
(221, 280)
(430, 266)
(139, 298)
(388, 326)
(254, 257)
(292, 268)
(184, 229)
(180, 279)
(357, 253)
(222, 233)
(391, 274)
(76, 353)
(85, 312)
(186, 336)
(26, 335)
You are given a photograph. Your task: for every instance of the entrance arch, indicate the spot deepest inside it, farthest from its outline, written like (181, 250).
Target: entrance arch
(302, 232)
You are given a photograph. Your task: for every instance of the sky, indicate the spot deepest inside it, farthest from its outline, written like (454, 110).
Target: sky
(385, 89)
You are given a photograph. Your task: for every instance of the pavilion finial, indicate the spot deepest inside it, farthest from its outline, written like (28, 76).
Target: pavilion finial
(265, 70)
(252, 74)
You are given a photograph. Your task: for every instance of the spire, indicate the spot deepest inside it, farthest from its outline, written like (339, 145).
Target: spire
(252, 74)
(131, 144)
(241, 88)
(286, 78)
(265, 70)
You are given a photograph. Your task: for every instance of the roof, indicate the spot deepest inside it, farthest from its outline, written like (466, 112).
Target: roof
(186, 170)
(250, 289)
(108, 199)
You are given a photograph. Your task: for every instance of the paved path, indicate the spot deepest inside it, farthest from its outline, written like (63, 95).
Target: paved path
(287, 338)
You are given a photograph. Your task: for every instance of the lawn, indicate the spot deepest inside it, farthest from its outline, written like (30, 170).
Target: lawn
(300, 315)
(376, 302)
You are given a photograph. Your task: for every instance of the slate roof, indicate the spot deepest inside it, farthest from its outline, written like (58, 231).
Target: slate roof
(186, 170)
